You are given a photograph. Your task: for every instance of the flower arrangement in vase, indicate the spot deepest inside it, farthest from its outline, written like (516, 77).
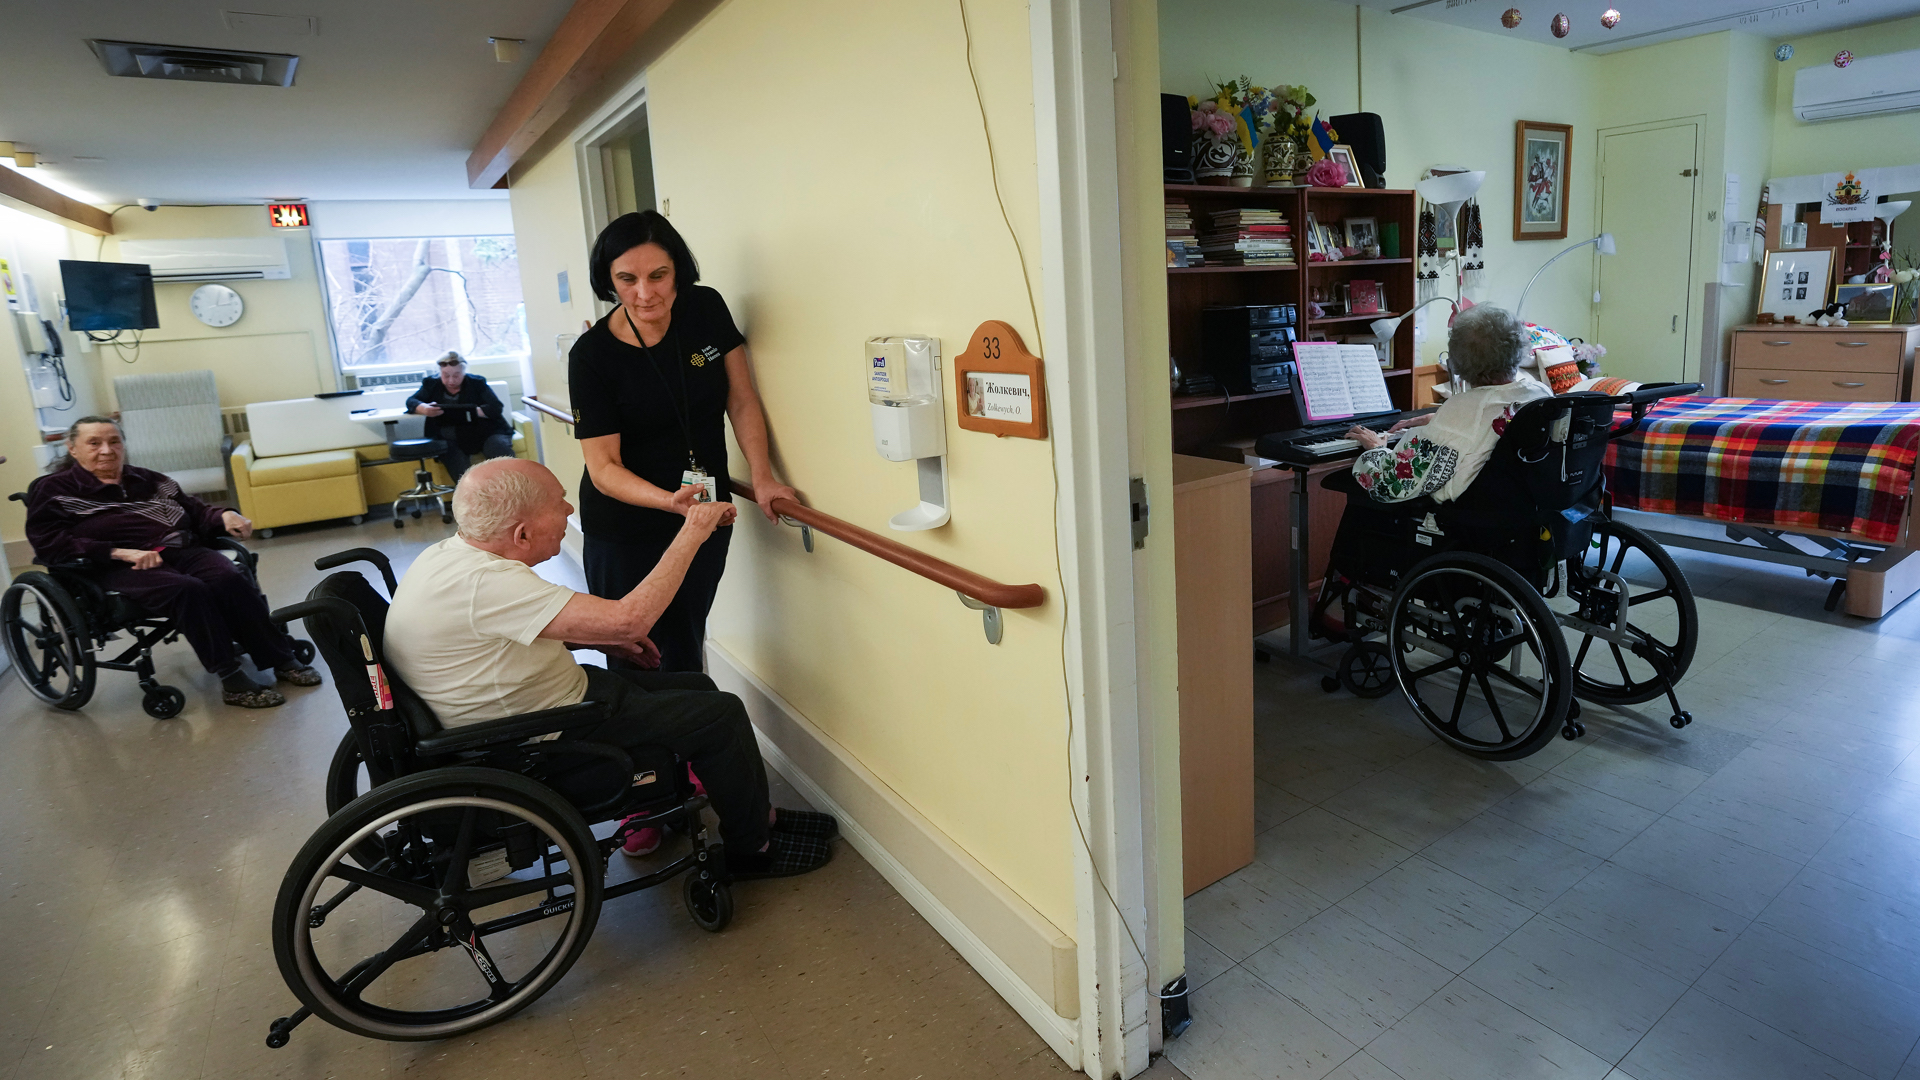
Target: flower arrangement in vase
(1286, 134)
(1227, 129)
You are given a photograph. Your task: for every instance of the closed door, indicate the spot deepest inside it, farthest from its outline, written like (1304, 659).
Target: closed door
(1647, 185)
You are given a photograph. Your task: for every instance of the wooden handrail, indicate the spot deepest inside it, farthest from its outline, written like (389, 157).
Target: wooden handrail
(966, 582)
(984, 589)
(540, 406)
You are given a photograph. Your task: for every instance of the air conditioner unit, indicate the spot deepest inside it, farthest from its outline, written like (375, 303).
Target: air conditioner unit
(1870, 85)
(240, 258)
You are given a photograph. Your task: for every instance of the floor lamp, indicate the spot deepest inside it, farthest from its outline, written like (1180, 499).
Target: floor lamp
(1604, 242)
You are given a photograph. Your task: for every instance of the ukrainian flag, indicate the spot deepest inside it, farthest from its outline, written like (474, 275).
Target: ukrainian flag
(1321, 138)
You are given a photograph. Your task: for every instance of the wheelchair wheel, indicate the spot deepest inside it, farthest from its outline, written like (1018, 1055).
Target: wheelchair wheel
(710, 902)
(1366, 670)
(1661, 618)
(486, 891)
(163, 702)
(46, 639)
(303, 651)
(1478, 655)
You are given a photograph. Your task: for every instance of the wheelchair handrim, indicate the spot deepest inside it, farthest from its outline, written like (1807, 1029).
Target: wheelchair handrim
(1533, 637)
(73, 647)
(442, 1022)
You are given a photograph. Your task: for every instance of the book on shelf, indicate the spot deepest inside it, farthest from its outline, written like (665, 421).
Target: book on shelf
(1363, 297)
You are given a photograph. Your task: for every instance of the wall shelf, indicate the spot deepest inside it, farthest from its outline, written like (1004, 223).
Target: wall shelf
(1359, 262)
(1231, 269)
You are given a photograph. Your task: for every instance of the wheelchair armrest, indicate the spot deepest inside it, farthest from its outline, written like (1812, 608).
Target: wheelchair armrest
(512, 728)
(1644, 398)
(359, 554)
(228, 543)
(333, 606)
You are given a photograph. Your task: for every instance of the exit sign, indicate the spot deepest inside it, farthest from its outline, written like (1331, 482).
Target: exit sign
(291, 215)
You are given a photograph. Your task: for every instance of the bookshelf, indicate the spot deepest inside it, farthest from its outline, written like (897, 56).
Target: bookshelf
(1224, 426)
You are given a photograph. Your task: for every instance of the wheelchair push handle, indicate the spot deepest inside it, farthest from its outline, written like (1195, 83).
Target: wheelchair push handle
(1644, 398)
(331, 606)
(360, 554)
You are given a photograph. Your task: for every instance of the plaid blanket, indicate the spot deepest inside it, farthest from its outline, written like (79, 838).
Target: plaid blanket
(1844, 467)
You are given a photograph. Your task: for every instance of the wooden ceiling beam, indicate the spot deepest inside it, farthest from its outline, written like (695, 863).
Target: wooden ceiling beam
(35, 198)
(591, 39)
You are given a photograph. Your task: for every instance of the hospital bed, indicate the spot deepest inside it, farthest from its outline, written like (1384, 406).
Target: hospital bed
(1823, 486)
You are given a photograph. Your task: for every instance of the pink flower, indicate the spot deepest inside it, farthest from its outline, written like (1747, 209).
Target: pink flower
(1403, 469)
(1365, 480)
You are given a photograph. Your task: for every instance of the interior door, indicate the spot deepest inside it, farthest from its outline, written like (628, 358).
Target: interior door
(1648, 182)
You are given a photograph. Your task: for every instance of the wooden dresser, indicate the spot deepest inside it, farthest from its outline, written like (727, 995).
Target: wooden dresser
(1823, 363)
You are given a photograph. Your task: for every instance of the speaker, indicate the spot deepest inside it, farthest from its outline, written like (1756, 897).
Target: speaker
(1176, 139)
(1364, 133)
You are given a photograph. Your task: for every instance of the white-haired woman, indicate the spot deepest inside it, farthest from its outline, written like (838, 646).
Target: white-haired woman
(462, 409)
(1447, 448)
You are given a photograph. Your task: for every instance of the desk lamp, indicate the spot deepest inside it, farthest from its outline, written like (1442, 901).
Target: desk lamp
(1383, 329)
(1604, 242)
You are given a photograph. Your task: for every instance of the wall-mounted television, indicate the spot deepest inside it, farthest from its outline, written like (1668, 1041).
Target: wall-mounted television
(108, 296)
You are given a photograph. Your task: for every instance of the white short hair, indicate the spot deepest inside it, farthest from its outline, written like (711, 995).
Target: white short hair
(489, 502)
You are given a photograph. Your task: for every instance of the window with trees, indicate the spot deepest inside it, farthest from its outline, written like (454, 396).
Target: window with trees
(405, 302)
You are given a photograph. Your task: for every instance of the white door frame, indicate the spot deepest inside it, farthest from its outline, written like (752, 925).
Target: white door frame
(1077, 145)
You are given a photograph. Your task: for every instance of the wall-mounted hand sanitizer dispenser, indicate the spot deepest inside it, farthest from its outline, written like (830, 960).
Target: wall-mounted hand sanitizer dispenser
(909, 419)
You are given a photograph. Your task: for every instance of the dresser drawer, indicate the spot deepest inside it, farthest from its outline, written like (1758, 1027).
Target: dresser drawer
(1814, 385)
(1825, 351)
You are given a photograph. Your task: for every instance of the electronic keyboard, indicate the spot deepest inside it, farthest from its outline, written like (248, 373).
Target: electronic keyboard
(1326, 441)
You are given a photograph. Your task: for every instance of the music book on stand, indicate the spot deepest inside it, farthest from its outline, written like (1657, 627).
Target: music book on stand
(1334, 381)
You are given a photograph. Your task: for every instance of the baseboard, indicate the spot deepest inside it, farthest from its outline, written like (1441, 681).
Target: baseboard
(1018, 951)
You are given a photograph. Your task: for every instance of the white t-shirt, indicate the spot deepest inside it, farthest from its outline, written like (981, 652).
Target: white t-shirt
(464, 632)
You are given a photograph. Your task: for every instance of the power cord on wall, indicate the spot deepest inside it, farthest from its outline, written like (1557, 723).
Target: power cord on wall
(1060, 571)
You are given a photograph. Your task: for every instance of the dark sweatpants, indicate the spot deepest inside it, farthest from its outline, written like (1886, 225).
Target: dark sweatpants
(613, 570)
(684, 713)
(211, 600)
(457, 459)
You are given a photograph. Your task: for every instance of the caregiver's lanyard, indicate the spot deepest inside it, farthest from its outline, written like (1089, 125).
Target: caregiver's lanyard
(694, 476)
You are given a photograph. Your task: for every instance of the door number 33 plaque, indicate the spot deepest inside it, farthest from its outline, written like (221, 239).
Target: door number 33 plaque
(1001, 387)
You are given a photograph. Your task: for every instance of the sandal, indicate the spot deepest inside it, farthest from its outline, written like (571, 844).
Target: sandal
(806, 823)
(263, 697)
(297, 675)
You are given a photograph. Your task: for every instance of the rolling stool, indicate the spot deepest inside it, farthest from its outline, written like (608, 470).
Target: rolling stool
(420, 450)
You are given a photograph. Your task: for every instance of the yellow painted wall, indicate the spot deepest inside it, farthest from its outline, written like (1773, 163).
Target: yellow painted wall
(1445, 95)
(875, 216)
(278, 349)
(550, 235)
(1865, 143)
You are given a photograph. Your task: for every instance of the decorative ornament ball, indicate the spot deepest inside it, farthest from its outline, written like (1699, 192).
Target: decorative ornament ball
(1562, 26)
(1610, 18)
(1510, 18)
(1842, 58)
(1783, 54)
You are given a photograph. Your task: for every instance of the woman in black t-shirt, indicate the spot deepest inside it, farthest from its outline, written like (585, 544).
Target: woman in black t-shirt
(651, 383)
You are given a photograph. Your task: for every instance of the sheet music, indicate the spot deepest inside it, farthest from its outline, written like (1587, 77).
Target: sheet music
(1337, 381)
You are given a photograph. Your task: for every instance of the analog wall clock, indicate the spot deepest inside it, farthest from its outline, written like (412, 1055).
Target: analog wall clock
(216, 305)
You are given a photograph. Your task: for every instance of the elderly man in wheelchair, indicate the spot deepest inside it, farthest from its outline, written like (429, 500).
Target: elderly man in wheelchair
(127, 549)
(489, 754)
(1477, 568)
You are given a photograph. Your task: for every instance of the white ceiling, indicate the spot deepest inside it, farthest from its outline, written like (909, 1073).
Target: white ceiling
(388, 99)
(1644, 22)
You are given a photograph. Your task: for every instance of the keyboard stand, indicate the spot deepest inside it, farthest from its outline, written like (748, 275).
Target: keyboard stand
(1299, 533)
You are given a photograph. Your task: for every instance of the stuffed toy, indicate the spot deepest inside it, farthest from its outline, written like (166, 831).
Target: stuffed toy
(1831, 315)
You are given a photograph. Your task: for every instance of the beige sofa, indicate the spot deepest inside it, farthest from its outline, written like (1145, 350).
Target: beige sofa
(292, 489)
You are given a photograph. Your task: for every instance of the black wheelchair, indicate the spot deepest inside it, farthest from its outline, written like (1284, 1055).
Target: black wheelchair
(1494, 612)
(453, 883)
(60, 627)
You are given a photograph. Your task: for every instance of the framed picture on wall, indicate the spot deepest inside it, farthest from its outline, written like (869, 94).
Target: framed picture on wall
(1540, 179)
(1797, 282)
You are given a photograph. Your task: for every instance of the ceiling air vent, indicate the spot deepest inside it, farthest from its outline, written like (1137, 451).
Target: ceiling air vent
(136, 60)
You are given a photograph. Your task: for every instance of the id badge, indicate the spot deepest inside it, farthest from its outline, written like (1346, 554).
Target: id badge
(699, 478)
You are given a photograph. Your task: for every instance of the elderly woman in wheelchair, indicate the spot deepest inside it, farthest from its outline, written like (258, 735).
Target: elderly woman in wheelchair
(1477, 568)
(461, 873)
(129, 549)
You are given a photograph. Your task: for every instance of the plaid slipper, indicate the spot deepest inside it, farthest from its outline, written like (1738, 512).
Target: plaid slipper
(787, 854)
(806, 823)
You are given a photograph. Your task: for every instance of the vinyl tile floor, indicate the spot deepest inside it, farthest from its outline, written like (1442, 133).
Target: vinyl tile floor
(1738, 900)
(139, 861)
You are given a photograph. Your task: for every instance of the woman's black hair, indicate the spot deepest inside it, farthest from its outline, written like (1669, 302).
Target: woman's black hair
(629, 231)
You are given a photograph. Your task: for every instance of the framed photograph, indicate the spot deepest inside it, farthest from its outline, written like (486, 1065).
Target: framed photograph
(1343, 155)
(1866, 303)
(1797, 282)
(1362, 232)
(1540, 179)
